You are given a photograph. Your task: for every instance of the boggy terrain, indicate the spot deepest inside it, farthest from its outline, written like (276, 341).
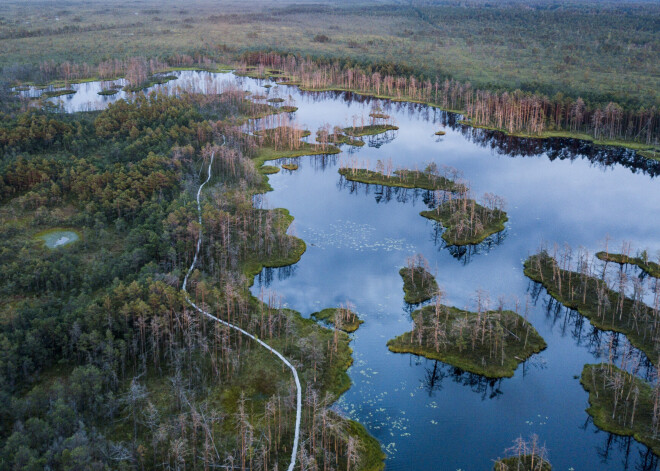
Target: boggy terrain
(143, 379)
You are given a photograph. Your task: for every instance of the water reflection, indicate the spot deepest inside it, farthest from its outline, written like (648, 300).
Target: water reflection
(601, 344)
(464, 253)
(503, 144)
(433, 377)
(357, 245)
(622, 449)
(385, 194)
(266, 277)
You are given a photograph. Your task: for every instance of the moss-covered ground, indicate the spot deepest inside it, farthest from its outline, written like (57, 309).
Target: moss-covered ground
(369, 130)
(463, 229)
(401, 178)
(418, 285)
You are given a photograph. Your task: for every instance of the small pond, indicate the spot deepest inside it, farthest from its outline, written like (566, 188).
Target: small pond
(58, 238)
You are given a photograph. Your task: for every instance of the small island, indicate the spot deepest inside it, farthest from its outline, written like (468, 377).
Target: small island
(286, 142)
(489, 343)
(108, 92)
(290, 166)
(428, 179)
(56, 93)
(622, 404)
(342, 318)
(369, 130)
(641, 261)
(418, 284)
(467, 222)
(269, 169)
(522, 463)
(336, 136)
(606, 309)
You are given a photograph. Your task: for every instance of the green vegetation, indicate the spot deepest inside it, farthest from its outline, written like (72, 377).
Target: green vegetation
(269, 169)
(524, 455)
(290, 166)
(418, 284)
(337, 137)
(110, 91)
(429, 179)
(285, 142)
(522, 463)
(139, 85)
(369, 130)
(650, 154)
(125, 361)
(288, 109)
(440, 133)
(586, 73)
(576, 49)
(591, 296)
(468, 222)
(55, 93)
(642, 261)
(275, 100)
(372, 457)
(623, 404)
(379, 116)
(341, 318)
(487, 343)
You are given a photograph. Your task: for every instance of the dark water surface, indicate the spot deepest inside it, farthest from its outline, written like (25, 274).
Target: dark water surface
(426, 414)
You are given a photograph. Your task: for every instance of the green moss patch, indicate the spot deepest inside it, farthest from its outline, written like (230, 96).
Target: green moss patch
(290, 166)
(418, 284)
(269, 169)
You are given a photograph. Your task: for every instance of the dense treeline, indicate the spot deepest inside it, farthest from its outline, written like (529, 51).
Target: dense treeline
(102, 363)
(514, 111)
(601, 51)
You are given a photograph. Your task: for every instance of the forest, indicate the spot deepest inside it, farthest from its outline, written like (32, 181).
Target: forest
(103, 363)
(421, 155)
(578, 73)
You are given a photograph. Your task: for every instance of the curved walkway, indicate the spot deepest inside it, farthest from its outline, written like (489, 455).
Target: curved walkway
(296, 438)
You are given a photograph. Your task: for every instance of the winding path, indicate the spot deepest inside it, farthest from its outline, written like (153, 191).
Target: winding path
(296, 438)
